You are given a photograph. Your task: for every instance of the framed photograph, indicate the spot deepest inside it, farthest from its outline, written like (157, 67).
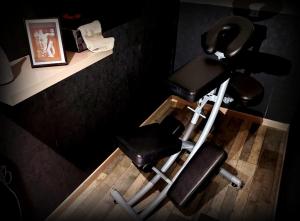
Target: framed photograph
(45, 42)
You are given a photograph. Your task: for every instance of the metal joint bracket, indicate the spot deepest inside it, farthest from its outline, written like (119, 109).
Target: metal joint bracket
(228, 99)
(187, 145)
(197, 114)
(162, 175)
(220, 55)
(212, 98)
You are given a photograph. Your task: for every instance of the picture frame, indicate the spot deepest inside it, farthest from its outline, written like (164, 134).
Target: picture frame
(45, 42)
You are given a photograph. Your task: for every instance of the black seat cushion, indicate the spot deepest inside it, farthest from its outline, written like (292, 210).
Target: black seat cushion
(172, 125)
(148, 144)
(204, 164)
(197, 78)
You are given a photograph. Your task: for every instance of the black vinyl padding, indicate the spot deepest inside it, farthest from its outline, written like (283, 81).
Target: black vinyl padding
(197, 78)
(148, 144)
(172, 125)
(243, 27)
(246, 89)
(201, 168)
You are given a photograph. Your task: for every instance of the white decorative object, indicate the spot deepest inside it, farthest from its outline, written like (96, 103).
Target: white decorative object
(93, 38)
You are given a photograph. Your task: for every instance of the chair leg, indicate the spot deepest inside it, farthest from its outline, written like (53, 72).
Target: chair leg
(134, 199)
(235, 181)
(128, 205)
(120, 200)
(146, 212)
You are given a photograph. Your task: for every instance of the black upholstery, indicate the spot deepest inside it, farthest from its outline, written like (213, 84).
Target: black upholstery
(229, 35)
(197, 78)
(197, 173)
(148, 144)
(172, 125)
(246, 89)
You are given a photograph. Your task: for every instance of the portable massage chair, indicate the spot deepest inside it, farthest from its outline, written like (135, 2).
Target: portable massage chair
(204, 79)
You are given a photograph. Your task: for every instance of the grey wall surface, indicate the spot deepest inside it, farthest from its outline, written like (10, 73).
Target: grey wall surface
(281, 95)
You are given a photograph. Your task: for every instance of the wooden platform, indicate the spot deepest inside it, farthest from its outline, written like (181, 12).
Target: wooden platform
(255, 147)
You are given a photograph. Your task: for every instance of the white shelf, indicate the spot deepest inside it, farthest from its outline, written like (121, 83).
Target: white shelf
(30, 81)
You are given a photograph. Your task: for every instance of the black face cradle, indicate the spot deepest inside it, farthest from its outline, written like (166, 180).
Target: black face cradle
(229, 36)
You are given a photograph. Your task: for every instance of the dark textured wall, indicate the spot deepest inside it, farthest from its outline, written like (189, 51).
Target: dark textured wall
(58, 136)
(281, 96)
(79, 116)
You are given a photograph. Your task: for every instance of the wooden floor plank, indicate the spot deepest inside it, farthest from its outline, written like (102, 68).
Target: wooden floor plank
(245, 173)
(278, 172)
(256, 150)
(227, 206)
(106, 204)
(249, 142)
(237, 146)
(82, 208)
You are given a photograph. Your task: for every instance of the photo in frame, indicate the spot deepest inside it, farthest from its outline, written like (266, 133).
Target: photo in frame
(45, 42)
